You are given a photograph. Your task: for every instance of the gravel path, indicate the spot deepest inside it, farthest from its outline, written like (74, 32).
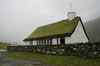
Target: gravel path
(6, 60)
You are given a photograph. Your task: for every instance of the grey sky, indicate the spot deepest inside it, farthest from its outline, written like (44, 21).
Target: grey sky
(19, 18)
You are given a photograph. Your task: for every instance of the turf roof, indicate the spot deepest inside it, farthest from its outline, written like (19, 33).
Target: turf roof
(58, 28)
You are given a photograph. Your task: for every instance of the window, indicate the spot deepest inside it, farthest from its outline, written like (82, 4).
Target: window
(62, 40)
(44, 41)
(57, 40)
(31, 42)
(47, 41)
(37, 42)
(40, 41)
(50, 41)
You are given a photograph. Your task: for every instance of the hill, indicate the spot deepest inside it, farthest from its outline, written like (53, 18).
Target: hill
(93, 29)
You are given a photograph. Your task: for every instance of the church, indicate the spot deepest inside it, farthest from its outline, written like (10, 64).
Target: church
(68, 31)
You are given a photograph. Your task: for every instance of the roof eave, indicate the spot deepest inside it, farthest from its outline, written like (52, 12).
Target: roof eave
(53, 36)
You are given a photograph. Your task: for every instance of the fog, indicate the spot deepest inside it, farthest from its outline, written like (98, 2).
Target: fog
(19, 18)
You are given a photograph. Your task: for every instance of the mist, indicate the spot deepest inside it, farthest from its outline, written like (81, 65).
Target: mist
(19, 18)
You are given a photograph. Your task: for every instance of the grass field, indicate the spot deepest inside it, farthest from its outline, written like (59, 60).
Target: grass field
(4, 45)
(56, 59)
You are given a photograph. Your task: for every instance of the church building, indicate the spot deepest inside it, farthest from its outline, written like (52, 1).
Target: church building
(68, 31)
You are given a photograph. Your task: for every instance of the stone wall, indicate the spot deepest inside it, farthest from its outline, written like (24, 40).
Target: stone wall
(87, 50)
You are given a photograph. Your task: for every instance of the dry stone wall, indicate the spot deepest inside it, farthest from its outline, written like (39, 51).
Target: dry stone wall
(87, 50)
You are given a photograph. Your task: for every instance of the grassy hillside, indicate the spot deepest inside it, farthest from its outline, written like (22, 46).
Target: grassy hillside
(93, 29)
(56, 59)
(4, 45)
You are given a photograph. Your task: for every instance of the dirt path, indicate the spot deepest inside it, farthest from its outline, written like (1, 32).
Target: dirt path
(12, 61)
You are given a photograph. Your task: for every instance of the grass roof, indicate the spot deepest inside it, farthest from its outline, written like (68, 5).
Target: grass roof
(61, 27)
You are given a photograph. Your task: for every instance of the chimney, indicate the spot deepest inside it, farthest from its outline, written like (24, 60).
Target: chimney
(71, 15)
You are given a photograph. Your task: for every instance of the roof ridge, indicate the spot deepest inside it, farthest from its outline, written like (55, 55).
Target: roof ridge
(59, 21)
(53, 23)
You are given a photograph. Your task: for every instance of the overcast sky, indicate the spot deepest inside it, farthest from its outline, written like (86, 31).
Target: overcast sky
(19, 18)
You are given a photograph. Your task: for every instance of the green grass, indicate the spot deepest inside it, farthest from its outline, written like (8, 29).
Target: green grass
(56, 59)
(54, 28)
(4, 45)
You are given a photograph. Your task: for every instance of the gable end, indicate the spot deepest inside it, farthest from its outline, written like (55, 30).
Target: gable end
(82, 26)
